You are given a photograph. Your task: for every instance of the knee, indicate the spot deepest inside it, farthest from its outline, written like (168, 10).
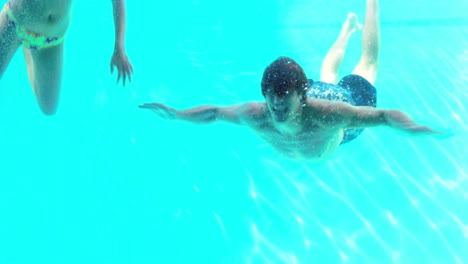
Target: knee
(48, 109)
(369, 65)
(369, 61)
(47, 98)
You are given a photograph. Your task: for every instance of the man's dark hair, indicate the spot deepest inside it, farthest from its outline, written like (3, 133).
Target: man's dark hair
(284, 75)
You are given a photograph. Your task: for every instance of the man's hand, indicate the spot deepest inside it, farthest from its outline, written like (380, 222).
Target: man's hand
(161, 110)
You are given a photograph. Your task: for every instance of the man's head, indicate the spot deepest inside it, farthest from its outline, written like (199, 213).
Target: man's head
(284, 86)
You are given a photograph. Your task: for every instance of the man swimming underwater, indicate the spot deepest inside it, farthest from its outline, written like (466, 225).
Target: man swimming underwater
(307, 120)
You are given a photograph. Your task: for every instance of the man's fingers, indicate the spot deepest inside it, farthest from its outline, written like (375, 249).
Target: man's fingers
(149, 105)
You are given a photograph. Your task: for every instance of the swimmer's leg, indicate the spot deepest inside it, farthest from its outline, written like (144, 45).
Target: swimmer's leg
(368, 64)
(9, 42)
(45, 74)
(334, 57)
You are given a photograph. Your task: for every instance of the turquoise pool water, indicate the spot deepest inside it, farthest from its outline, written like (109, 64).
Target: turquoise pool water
(105, 182)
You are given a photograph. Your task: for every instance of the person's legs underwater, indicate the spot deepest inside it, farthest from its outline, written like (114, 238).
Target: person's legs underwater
(9, 40)
(361, 82)
(368, 64)
(332, 61)
(45, 68)
(43, 54)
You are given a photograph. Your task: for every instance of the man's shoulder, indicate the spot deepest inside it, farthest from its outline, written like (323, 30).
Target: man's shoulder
(253, 112)
(322, 105)
(253, 108)
(327, 112)
(317, 106)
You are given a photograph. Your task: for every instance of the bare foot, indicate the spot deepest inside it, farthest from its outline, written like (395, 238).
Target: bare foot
(351, 24)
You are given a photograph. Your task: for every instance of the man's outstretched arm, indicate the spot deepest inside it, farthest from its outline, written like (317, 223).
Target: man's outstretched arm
(201, 114)
(345, 115)
(369, 116)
